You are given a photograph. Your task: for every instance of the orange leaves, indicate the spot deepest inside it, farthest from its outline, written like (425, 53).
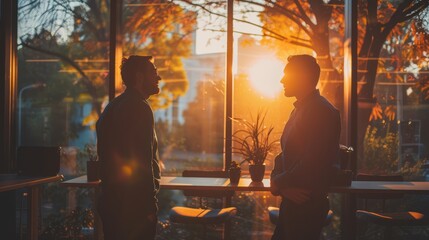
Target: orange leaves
(158, 21)
(423, 85)
(377, 112)
(390, 112)
(385, 11)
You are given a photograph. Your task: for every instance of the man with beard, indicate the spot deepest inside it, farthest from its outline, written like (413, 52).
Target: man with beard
(128, 151)
(310, 147)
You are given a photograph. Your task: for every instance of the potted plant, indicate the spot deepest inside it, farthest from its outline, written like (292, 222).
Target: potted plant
(234, 173)
(92, 165)
(253, 143)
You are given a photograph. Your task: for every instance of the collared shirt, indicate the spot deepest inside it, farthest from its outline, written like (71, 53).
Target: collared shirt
(310, 145)
(127, 147)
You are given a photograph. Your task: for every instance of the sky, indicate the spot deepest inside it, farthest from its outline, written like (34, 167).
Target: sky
(208, 41)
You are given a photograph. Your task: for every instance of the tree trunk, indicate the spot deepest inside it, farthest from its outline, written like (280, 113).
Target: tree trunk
(331, 83)
(366, 100)
(330, 79)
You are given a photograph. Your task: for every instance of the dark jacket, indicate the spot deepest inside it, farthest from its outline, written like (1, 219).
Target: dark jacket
(310, 146)
(127, 148)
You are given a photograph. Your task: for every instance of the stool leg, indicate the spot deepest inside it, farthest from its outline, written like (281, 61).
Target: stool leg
(23, 197)
(33, 213)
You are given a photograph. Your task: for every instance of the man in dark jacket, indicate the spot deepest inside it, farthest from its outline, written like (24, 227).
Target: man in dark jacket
(310, 147)
(128, 151)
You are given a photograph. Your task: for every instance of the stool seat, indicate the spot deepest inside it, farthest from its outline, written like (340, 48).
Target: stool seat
(200, 215)
(274, 216)
(394, 218)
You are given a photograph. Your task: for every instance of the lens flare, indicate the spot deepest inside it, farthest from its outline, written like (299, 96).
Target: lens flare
(127, 170)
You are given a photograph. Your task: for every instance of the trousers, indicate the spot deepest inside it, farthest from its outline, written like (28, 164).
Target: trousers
(127, 217)
(301, 221)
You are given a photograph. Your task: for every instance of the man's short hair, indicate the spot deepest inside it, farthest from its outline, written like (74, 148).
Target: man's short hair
(131, 65)
(305, 64)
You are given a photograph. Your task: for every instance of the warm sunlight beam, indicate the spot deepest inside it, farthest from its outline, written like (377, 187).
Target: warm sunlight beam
(265, 75)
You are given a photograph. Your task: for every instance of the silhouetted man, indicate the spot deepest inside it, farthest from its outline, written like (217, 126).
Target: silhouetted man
(310, 146)
(128, 151)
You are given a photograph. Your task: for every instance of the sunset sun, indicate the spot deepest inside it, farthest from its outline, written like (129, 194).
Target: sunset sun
(265, 75)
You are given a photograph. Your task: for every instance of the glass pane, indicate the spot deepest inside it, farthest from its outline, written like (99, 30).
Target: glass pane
(261, 55)
(188, 46)
(258, 70)
(393, 104)
(393, 100)
(190, 56)
(62, 87)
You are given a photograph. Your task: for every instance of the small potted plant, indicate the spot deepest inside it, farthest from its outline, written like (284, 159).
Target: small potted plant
(234, 173)
(253, 143)
(92, 165)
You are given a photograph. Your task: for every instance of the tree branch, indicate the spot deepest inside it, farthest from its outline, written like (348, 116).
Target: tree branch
(404, 12)
(304, 16)
(87, 82)
(414, 10)
(281, 10)
(371, 28)
(396, 17)
(278, 35)
(294, 42)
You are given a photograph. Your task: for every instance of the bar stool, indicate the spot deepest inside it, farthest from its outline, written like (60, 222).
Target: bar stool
(384, 218)
(204, 215)
(273, 212)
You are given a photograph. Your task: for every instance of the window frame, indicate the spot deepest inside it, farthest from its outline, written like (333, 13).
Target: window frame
(8, 82)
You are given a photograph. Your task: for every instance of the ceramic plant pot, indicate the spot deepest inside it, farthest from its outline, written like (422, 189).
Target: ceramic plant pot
(234, 175)
(257, 172)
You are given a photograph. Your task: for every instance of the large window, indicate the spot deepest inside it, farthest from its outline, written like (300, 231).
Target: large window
(392, 95)
(63, 50)
(265, 36)
(63, 86)
(392, 130)
(190, 57)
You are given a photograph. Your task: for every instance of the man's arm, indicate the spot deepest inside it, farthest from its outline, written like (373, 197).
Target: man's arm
(141, 147)
(156, 168)
(278, 169)
(294, 194)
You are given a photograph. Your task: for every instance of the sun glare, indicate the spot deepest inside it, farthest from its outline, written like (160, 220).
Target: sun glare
(265, 75)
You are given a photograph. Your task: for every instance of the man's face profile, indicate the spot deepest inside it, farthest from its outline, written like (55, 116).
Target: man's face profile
(290, 80)
(148, 79)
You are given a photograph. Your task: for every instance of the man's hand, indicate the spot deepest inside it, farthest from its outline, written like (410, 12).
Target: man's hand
(296, 195)
(274, 189)
(278, 168)
(278, 165)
